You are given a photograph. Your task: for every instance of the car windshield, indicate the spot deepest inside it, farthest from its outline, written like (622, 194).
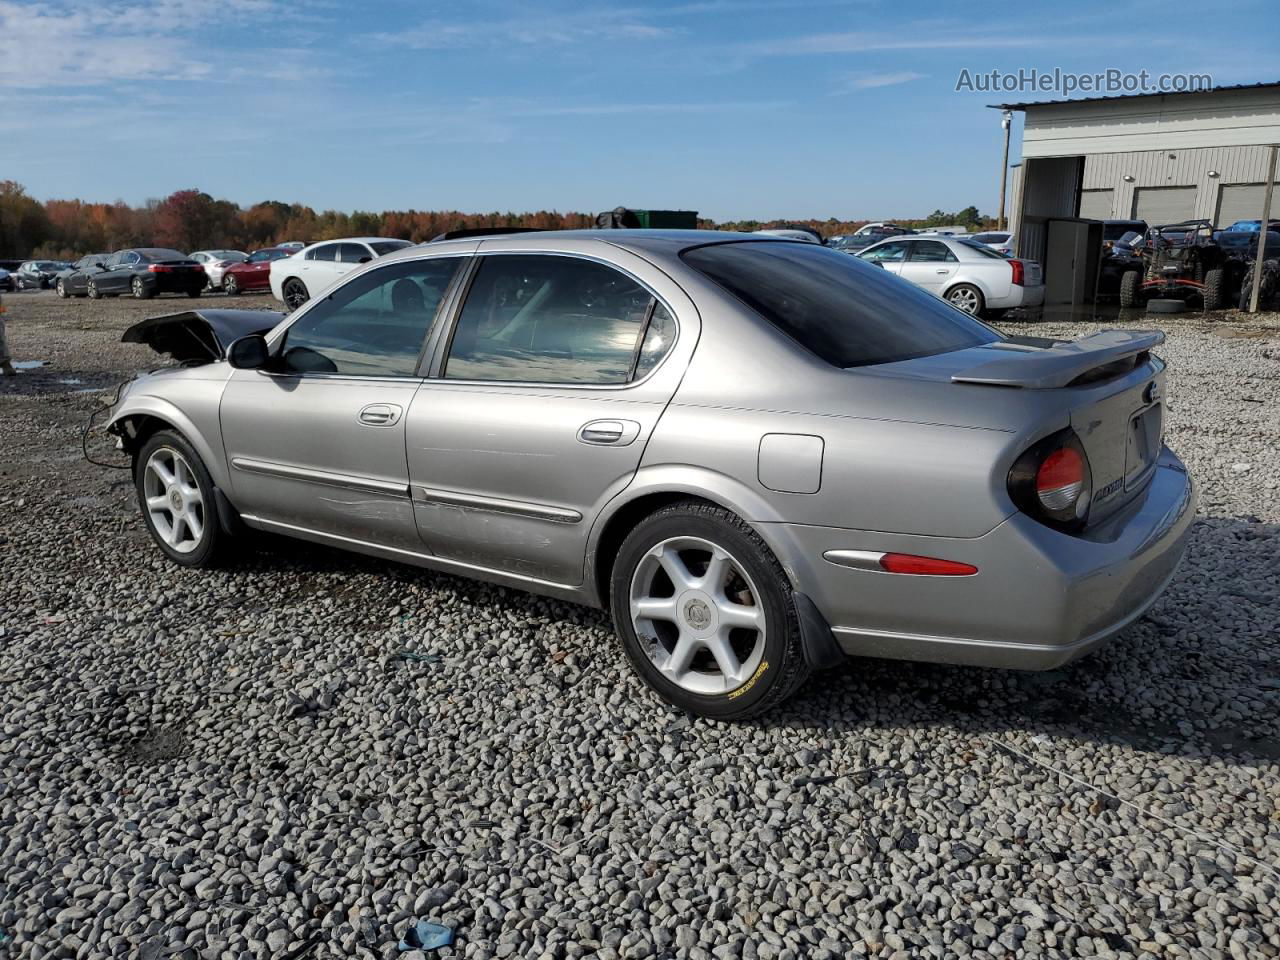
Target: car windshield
(228, 255)
(849, 313)
(386, 246)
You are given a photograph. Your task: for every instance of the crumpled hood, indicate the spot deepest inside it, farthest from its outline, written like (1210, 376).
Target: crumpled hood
(199, 335)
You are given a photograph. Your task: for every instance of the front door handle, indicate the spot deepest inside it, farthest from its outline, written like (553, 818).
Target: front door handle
(380, 415)
(609, 433)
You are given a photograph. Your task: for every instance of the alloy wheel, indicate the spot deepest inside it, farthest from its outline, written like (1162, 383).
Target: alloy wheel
(137, 288)
(964, 298)
(295, 294)
(174, 502)
(698, 615)
(229, 286)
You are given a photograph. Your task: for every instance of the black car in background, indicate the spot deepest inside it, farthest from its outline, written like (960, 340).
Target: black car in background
(38, 274)
(74, 281)
(145, 272)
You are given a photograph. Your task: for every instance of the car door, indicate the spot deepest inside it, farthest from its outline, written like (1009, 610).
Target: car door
(889, 255)
(316, 441)
(319, 267)
(350, 256)
(119, 272)
(930, 265)
(256, 272)
(543, 398)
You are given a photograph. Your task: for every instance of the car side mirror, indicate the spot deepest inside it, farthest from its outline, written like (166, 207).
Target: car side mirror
(365, 259)
(249, 352)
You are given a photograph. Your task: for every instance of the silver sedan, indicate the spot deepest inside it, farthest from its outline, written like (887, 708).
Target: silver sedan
(762, 456)
(967, 274)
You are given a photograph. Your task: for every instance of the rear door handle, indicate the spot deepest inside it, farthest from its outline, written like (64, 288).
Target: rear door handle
(379, 414)
(609, 433)
(943, 270)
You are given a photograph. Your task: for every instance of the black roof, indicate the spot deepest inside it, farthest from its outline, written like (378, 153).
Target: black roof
(1135, 96)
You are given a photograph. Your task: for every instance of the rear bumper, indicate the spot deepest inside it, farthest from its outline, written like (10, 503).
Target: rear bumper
(1040, 599)
(174, 282)
(1019, 297)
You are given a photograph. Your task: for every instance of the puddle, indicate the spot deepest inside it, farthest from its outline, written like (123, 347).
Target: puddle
(28, 364)
(71, 383)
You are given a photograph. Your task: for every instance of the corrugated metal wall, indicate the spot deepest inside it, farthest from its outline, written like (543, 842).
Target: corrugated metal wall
(1175, 168)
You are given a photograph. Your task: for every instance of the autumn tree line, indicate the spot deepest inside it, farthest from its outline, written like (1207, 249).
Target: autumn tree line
(192, 220)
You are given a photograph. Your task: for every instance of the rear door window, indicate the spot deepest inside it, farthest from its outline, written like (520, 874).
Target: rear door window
(557, 319)
(848, 313)
(931, 251)
(329, 252)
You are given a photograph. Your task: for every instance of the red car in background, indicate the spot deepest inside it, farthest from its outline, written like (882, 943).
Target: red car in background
(254, 273)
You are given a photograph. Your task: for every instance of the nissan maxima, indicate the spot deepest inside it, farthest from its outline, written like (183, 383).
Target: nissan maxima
(761, 456)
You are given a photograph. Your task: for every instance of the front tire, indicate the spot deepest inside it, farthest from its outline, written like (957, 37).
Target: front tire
(295, 293)
(229, 285)
(968, 298)
(705, 613)
(1215, 293)
(1130, 288)
(176, 496)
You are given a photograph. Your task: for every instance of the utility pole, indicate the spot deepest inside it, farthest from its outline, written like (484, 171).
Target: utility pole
(1262, 233)
(1006, 121)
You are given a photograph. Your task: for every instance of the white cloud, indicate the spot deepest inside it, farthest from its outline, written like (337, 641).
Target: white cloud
(871, 81)
(542, 29)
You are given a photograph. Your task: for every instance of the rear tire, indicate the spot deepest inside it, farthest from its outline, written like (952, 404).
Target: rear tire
(1130, 288)
(62, 290)
(195, 293)
(1215, 295)
(739, 612)
(177, 500)
(1166, 306)
(967, 298)
(140, 291)
(295, 293)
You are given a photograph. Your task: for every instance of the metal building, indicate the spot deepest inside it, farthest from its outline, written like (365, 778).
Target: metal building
(1160, 158)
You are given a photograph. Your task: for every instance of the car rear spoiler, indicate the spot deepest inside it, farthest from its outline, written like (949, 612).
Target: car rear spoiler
(1044, 364)
(199, 335)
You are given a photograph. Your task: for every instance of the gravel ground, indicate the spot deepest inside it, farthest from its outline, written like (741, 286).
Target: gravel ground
(241, 764)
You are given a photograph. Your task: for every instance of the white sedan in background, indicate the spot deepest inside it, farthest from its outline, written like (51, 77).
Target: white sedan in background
(968, 275)
(215, 263)
(296, 279)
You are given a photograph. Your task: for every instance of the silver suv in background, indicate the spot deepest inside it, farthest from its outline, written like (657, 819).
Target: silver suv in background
(968, 275)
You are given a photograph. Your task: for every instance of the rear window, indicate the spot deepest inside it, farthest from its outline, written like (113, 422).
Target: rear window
(383, 247)
(847, 312)
(156, 254)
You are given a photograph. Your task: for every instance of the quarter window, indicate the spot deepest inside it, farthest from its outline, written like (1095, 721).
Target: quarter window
(554, 319)
(373, 325)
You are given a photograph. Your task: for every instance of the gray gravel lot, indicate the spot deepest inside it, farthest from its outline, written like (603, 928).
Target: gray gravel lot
(239, 763)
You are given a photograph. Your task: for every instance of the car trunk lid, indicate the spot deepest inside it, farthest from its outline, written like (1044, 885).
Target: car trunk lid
(1108, 385)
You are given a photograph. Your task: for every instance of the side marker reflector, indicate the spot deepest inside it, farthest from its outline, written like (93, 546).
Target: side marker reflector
(929, 566)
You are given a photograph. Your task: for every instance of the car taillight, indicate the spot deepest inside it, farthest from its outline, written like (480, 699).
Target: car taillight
(158, 268)
(1018, 271)
(1052, 482)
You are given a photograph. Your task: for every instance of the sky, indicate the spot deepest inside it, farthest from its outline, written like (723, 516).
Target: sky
(736, 108)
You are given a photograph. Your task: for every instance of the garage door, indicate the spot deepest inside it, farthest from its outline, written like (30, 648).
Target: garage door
(1096, 204)
(1161, 205)
(1243, 201)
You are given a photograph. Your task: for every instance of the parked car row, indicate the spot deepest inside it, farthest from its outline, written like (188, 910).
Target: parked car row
(142, 272)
